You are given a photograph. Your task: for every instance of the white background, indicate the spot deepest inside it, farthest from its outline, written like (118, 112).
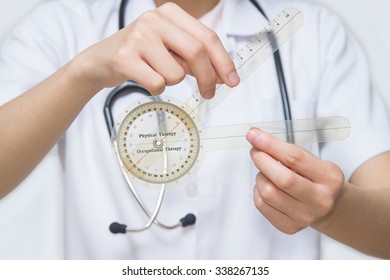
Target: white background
(31, 217)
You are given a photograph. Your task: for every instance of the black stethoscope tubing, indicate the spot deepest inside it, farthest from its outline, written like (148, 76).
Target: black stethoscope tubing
(125, 88)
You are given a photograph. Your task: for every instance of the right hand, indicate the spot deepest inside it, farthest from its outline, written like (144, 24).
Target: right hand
(159, 49)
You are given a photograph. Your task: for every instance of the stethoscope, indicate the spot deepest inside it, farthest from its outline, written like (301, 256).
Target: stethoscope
(131, 87)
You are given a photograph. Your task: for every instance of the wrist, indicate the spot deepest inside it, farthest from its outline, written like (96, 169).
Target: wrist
(328, 222)
(80, 72)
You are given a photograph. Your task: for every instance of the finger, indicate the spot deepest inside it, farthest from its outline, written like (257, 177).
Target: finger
(162, 61)
(202, 69)
(186, 68)
(299, 212)
(150, 30)
(292, 156)
(278, 219)
(282, 177)
(193, 53)
(147, 77)
(219, 57)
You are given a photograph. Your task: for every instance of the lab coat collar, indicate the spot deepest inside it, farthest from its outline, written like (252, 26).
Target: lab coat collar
(241, 18)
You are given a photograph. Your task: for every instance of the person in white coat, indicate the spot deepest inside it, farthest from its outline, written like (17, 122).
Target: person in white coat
(61, 62)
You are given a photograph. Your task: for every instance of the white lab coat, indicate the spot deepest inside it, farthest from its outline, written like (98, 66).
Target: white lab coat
(326, 74)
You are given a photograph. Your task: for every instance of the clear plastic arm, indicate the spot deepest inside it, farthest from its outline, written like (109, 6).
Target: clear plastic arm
(304, 131)
(253, 54)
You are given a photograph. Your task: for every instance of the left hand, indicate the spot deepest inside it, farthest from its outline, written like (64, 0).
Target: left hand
(294, 189)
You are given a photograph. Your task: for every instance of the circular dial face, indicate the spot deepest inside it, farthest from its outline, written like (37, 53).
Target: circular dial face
(158, 142)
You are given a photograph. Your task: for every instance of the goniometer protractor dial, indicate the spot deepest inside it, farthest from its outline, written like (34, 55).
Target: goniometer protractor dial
(158, 142)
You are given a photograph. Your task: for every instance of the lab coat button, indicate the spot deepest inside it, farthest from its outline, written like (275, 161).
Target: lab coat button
(192, 190)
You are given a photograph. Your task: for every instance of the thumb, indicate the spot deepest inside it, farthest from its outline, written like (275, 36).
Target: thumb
(254, 137)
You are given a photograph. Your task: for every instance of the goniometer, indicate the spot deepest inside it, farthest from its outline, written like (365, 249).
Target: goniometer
(162, 141)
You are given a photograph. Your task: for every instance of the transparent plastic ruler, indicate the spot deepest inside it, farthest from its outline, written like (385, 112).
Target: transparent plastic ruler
(161, 140)
(254, 53)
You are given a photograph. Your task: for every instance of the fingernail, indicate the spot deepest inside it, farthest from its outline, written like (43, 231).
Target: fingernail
(234, 79)
(252, 152)
(253, 134)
